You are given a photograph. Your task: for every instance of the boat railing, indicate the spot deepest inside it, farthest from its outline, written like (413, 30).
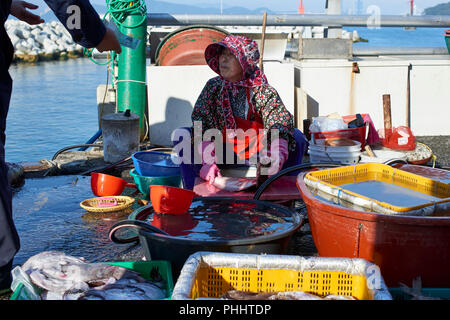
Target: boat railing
(327, 20)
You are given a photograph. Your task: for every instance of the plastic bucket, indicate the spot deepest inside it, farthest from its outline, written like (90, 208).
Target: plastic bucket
(344, 159)
(357, 134)
(170, 200)
(154, 164)
(143, 182)
(104, 185)
(320, 146)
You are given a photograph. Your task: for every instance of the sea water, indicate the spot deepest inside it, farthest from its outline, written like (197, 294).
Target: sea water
(399, 37)
(53, 106)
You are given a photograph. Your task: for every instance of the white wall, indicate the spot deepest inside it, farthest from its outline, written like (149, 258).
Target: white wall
(328, 84)
(173, 91)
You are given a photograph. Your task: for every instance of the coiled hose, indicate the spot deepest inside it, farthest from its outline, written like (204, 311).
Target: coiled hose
(117, 11)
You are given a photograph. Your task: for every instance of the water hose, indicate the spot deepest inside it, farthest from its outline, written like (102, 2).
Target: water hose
(91, 140)
(132, 224)
(117, 11)
(288, 170)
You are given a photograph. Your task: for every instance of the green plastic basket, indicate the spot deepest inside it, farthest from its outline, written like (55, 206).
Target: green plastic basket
(141, 267)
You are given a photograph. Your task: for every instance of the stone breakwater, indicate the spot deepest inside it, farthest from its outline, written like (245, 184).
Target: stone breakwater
(46, 41)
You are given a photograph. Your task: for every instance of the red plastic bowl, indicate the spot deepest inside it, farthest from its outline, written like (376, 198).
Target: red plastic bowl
(170, 200)
(104, 185)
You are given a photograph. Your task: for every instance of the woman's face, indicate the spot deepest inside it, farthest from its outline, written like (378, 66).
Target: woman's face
(229, 66)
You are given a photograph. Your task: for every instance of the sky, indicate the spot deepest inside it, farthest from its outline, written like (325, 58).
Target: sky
(311, 6)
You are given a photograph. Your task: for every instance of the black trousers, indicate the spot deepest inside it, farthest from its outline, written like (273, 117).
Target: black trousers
(9, 239)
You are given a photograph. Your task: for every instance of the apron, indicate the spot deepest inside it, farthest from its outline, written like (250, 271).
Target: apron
(251, 142)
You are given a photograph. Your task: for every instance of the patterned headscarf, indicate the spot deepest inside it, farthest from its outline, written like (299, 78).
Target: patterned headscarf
(247, 53)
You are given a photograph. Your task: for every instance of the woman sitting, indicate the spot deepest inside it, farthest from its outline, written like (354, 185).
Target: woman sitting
(241, 98)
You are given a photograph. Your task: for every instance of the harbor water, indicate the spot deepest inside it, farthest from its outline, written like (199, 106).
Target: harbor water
(400, 37)
(53, 105)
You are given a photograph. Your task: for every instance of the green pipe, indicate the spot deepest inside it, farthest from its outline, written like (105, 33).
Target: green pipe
(131, 89)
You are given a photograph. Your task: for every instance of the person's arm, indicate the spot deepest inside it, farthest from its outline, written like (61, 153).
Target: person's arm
(81, 20)
(274, 114)
(206, 108)
(78, 17)
(205, 112)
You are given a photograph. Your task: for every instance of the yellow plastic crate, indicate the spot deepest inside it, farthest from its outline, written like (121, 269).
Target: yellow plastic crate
(212, 274)
(214, 282)
(334, 177)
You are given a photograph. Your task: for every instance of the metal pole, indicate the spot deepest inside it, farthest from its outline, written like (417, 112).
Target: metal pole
(375, 51)
(166, 19)
(333, 7)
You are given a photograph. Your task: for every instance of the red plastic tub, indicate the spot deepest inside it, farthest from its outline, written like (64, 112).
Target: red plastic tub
(404, 247)
(186, 46)
(357, 134)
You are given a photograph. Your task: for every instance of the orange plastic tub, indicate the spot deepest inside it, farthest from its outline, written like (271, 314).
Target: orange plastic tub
(404, 247)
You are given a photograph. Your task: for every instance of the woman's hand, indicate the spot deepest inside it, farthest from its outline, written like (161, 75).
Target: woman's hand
(19, 10)
(209, 172)
(279, 154)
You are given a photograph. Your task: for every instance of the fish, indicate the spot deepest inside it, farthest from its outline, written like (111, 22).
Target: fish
(416, 291)
(64, 277)
(282, 295)
(125, 291)
(131, 287)
(233, 184)
(57, 272)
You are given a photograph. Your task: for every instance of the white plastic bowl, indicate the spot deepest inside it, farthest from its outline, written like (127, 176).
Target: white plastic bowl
(381, 156)
(342, 157)
(319, 146)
